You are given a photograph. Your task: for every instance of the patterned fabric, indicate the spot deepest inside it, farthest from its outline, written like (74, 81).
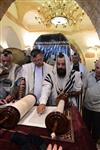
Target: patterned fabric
(7, 81)
(53, 85)
(68, 85)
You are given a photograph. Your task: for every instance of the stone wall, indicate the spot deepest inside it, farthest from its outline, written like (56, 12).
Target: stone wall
(4, 5)
(92, 8)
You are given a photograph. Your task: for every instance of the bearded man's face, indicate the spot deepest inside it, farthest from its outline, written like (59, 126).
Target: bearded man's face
(61, 67)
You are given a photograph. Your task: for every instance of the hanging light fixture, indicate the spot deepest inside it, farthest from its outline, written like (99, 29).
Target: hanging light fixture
(60, 13)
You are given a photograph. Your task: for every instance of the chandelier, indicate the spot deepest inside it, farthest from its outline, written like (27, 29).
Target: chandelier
(60, 13)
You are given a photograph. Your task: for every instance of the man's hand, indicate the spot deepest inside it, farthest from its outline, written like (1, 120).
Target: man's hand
(63, 96)
(9, 98)
(54, 147)
(2, 101)
(41, 108)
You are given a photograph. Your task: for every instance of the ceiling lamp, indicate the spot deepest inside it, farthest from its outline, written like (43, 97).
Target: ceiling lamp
(60, 13)
(59, 20)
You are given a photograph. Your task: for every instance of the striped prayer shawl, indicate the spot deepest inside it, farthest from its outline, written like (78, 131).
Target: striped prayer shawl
(49, 79)
(68, 86)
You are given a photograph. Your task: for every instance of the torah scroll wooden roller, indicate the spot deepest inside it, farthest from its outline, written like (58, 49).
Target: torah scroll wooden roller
(56, 122)
(10, 115)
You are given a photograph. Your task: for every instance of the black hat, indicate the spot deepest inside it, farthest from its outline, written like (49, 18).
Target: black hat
(6, 52)
(35, 52)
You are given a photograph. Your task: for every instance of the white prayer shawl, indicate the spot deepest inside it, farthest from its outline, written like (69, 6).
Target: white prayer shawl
(13, 73)
(28, 73)
(53, 85)
(11, 77)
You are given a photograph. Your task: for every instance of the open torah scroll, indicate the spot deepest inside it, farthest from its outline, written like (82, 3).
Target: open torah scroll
(32, 118)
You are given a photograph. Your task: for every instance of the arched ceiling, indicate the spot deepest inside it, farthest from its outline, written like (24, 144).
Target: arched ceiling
(25, 13)
(91, 8)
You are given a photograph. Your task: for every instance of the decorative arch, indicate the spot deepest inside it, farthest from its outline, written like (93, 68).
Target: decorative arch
(92, 10)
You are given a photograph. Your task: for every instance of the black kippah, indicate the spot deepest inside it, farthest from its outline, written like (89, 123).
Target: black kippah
(35, 52)
(6, 52)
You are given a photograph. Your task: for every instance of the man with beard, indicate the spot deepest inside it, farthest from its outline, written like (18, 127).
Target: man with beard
(8, 74)
(61, 80)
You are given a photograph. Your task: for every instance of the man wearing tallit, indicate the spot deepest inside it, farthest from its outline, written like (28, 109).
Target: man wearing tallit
(35, 72)
(8, 74)
(61, 80)
(78, 66)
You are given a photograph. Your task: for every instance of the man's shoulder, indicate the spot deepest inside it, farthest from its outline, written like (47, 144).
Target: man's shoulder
(27, 65)
(48, 66)
(75, 73)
